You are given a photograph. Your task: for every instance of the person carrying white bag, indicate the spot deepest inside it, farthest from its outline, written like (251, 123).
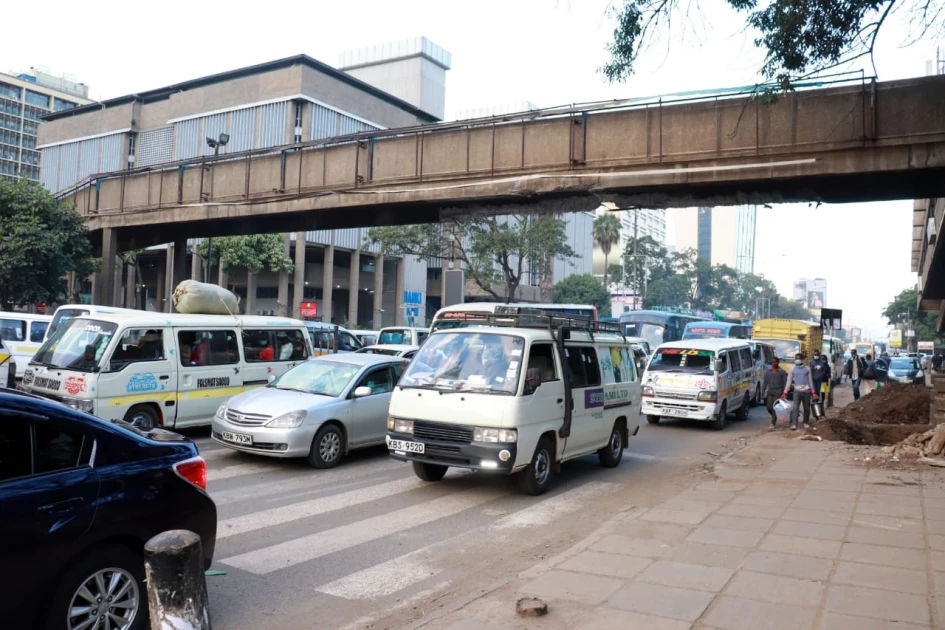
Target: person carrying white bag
(773, 383)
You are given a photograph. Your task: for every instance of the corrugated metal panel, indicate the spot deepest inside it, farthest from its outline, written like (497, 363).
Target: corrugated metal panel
(155, 146)
(272, 125)
(213, 126)
(347, 239)
(321, 237)
(243, 129)
(324, 122)
(89, 154)
(68, 164)
(112, 157)
(348, 125)
(49, 171)
(188, 139)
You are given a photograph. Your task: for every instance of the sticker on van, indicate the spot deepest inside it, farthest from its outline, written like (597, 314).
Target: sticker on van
(75, 385)
(219, 381)
(142, 383)
(593, 398)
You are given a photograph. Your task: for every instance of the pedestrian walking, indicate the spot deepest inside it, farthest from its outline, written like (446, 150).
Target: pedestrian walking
(800, 379)
(869, 374)
(820, 374)
(854, 370)
(772, 384)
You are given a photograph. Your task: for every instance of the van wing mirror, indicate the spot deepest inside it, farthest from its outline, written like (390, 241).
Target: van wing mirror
(720, 366)
(532, 380)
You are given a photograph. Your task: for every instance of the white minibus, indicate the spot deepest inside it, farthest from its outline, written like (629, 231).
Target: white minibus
(23, 334)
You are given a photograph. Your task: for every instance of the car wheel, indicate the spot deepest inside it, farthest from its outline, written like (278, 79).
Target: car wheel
(756, 399)
(719, 423)
(741, 414)
(105, 586)
(536, 478)
(653, 419)
(143, 417)
(327, 447)
(429, 472)
(611, 454)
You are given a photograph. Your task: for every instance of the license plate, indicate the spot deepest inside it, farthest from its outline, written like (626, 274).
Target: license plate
(406, 447)
(675, 412)
(237, 438)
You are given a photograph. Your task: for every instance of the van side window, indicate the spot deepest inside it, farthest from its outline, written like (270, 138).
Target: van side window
(137, 345)
(617, 365)
(583, 366)
(208, 347)
(745, 355)
(733, 363)
(38, 331)
(273, 345)
(541, 356)
(422, 336)
(756, 352)
(723, 359)
(12, 329)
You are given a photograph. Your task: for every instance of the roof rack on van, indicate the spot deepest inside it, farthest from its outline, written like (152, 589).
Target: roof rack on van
(535, 318)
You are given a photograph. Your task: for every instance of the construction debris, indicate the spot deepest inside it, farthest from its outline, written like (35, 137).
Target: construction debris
(531, 607)
(811, 438)
(927, 444)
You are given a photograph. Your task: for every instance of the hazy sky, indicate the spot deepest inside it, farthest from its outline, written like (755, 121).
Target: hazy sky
(544, 51)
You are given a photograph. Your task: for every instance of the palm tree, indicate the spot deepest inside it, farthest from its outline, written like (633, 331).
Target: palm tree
(606, 234)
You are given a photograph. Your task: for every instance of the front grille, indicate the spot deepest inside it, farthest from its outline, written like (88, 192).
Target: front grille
(246, 419)
(661, 405)
(439, 448)
(441, 432)
(675, 395)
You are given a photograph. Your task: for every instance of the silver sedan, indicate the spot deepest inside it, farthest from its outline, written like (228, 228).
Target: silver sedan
(319, 409)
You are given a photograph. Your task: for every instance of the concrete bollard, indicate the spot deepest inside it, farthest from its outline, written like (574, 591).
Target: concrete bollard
(177, 589)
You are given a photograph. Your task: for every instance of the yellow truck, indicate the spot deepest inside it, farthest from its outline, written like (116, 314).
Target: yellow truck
(789, 336)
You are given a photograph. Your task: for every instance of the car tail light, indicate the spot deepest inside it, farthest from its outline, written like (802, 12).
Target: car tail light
(193, 470)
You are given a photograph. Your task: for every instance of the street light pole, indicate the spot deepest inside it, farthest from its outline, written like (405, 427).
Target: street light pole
(636, 284)
(215, 144)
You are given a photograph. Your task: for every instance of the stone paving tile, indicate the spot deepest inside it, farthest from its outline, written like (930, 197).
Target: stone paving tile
(776, 589)
(801, 546)
(886, 578)
(604, 618)
(687, 505)
(708, 555)
(731, 537)
(743, 523)
(720, 486)
(756, 511)
(580, 587)
(935, 527)
(834, 496)
(939, 583)
(712, 497)
(824, 505)
(735, 613)
(789, 565)
(809, 530)
(886, 509)
(661, 601)
(833, 621)
(606, 564)
(784, 474)
(938, 560)
(888, 523)
(658, 531)
(937, 543)
(824, 482)
(900, 491)
(674, 516)
(891, 499)
(935, 514)
(875, 536)
(762, 499)
(884, 556)
(772, 489)
(685, 575)
(816, 516)
(641, 547)
(475, 624)
(868, 602)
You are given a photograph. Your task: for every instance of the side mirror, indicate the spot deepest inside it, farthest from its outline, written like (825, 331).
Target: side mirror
(532, 380)
(361, 392)
(720, 366)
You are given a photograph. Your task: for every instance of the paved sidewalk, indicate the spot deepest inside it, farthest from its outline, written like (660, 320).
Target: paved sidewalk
(792, 535)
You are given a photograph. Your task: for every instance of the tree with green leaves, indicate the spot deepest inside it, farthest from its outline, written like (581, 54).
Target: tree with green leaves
(494, 250)
(583, 289)
(799, 37)
(606, 234)
(253, 253)
(653, 263)
(904, 309)
(42, 242)
(789, 309)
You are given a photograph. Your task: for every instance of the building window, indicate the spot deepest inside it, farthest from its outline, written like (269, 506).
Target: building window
(29, 142)
(267, 293)
(9, 107)
(8, 153)
(704, 234)
(9, 91)
(8, 122)
(9, 138)
(35, 98)
(33, 113)
(59, 104)
(30, 128)
(30, 157)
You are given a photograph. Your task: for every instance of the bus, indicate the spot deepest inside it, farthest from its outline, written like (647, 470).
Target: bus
(657, 327)
(864, 348)
(455, 316)
(716, 330)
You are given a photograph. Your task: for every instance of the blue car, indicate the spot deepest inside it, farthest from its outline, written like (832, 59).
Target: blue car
(79, 498)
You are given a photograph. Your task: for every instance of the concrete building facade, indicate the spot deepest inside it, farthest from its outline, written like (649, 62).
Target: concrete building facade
(644, 221)
(722, 235)
(24, 99)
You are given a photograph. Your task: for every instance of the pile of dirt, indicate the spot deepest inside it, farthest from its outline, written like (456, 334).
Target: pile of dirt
(928, 444)
(887, 415)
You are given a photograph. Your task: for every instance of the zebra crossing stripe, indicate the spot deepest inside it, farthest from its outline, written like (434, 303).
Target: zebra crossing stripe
(216, 474)
(383, 579)
(307, 548)
(548, 510)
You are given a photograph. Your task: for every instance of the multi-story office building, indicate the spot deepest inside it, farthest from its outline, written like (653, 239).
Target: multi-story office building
(644, 222)
(24, 99)
(722, 236)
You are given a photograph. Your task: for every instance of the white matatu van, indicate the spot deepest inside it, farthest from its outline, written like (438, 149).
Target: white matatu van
(515, 394)
(160, 369)
(699, 379)
(23, 335)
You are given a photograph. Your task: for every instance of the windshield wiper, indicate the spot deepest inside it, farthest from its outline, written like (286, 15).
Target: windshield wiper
(433, 387)
(294, 389)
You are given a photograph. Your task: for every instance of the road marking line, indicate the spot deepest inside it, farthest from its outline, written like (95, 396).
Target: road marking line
(312, 507)
(550, 509)
(383, 579)
(241, 469)
(306, 548)
(642, 456)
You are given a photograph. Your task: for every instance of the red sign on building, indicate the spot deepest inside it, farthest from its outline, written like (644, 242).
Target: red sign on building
(308, 309)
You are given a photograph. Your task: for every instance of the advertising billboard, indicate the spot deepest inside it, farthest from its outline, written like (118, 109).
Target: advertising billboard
(926, 346)
(895, 338)
(815, 299)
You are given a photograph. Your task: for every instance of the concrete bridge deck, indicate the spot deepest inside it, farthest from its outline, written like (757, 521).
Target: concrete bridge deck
(865, 141)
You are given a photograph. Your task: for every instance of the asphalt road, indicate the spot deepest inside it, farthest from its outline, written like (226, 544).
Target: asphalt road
(367, 542)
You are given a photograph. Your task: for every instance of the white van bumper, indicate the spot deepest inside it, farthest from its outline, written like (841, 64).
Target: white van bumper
(690, 410)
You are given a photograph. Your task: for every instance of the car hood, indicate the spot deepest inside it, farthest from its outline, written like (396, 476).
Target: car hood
(269, 401)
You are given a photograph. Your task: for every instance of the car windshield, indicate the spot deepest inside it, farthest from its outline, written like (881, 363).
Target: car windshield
(398, 335)
(327, 378)
(784, 349)
(386, 351)
(78, 345)
(906, 363)
(467, 361)
(682, 360)
(63, 315)
(652, 333)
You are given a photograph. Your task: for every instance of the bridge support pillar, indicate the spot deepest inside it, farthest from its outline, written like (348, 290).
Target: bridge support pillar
(160, 291)
(354, 288)
(103, 289)
(283, 296)
(400, 283)
(251, 279)
(131, 286)
(298, 291)
(178, 270)
(378, 322)
(196, 264)
(328, 282)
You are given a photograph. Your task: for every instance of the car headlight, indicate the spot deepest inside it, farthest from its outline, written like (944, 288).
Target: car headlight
(707, 396)
(288, 420)
(221, 412)
(495, 435)
(648, 391)
(87, 406)
(399, 426)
